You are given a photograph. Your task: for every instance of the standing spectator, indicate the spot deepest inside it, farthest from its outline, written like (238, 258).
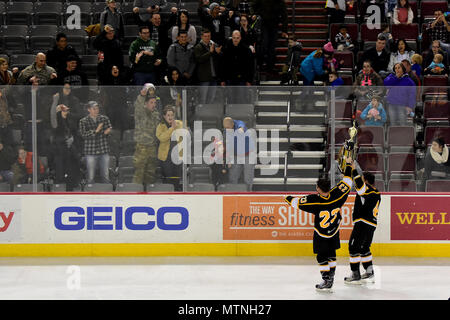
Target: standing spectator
(368, 83)
(374, 114)
(7, 77)
(171, 171)
(175, 80)
(343, 39)
(206, 56)
(145, 56)
(66, 151)
(215, 21)
(159, 30)
(66, 97)
(272, 12)
(94, 129)
(183, 24)
(145, 8)
(147, 118)
(378, 56)
(439, 29)
(57, 56)
(401, 52)
(5, 119)
(403, 13)
(181, 56)
(109, 53)
(7, 158)
(436, 67)
(237, 68)
(111, 16)
(241, 162)
(437, 160)
(76, 78)
(336, 9)
(203, 10)
(401, 96)
(416, 66)
(292, 64)
(248, 34)
(435, 49)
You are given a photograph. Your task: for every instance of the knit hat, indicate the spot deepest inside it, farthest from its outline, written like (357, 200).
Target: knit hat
(213, 5)
(328, 48)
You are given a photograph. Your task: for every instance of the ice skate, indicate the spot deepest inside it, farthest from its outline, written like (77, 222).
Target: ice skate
(368, 276)
(355, 278)
(325, 286)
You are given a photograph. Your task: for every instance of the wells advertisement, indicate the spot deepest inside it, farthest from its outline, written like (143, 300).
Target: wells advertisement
(420, 218)
(270, 218)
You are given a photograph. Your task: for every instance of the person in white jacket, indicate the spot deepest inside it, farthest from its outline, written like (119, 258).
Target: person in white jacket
(401, 52)
(403, 13)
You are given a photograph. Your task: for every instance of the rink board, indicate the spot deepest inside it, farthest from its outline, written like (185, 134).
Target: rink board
(162, 224)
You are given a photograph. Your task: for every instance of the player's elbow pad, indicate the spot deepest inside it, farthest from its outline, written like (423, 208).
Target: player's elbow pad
(292, 201)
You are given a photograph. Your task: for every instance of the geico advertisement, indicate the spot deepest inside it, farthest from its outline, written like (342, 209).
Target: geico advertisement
(271, 218)
(10, 219)
(124, 218)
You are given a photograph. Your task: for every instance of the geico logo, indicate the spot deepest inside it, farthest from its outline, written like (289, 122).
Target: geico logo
(78, 218)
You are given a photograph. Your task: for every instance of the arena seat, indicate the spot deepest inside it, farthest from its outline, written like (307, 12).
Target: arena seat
(432, 132)
(435, 85)
(160, 187)
(14, 39)
(200, 187)
(436, 112)
(244, 112)
(405, 31)
(401, 138)
(343, 111)
(371, 138)
(427, 8)
(402, 186)
(130, 187)
(130, 33)
(77, 38)
(19, 13)
(42, 36)
(401, 165)
(48, 13)
(22, 61)
(199, 174)
(352, 30)
(370, 34)
(5, 187)
(85, 10)
(372, 162)
(348, 58)
(98, 187)
(437, 186)
(229, 187)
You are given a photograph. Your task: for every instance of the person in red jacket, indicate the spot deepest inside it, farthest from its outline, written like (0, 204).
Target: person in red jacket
(23, 167)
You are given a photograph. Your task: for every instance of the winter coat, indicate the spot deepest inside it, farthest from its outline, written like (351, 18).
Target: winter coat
(311, 67)
(401, 91)
(206, 70)
(394, 59)
(237, 63)
(146, 63)
(372, 122)
(114, 19)
(294, 54)
(181, 57)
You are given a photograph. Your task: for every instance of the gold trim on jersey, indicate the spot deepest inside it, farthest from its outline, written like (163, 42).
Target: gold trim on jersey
(365, 221)
(324, 203)
(366, 193)
(330, 236)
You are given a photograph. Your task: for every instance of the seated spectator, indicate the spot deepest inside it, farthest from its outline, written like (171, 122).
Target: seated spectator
(386, 33)
(159, 30)
(57, 56)
(171, 168)
(181, 56)
(411, 73)
(401, 52)
(183, 24)
(330, 64)
(175, 80)
(7, 158)
(435, 49)
(109, 53)
(76, 78)
(368, 83)
(336, 9)
(401, 97)
(145, 56)
(439, 29)
(215, 21)
(416, 66)
(436, 67)
(335, 82)
(374, 114)
(378, 56)
(403, 13)
(94, 130)
(5, 119)
(343, 39)
(145, 8)
(290, 68)
(7, 77)
(37, 73)
(111, 16)
(437, 164)
(22, 168)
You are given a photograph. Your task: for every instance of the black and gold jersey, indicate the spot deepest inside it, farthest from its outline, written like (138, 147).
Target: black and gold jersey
(326, 210)
(367, 203)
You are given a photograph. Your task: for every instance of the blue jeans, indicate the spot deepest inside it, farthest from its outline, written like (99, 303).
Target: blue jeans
(6, 175)
(141, 78)
(91, 164)
(207, 92)
(397, 115)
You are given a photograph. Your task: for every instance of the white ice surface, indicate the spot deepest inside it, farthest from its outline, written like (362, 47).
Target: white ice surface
(222, 278)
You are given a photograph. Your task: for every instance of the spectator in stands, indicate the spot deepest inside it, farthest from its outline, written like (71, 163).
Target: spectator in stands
(337, 83)
(111, 16)
(159, 30)
(416, 61)
(171, 168)
(39, 73)
(401, 97)
(437, 163)
(378, 56)
(147, 118)
(343, 39)
(237, 68)
(76, 78)
(374, 114)
(145, 8)
(5, 118)
(66, 151)
(312, 66)
(401, 52)
(241, 160)
(330, 64)
(435, 49)
(439, 29)
(411, 73)
(292, 64)
(7, 77)
(7, 158)
(145, 56)
(206, 55)
(175, 80)
(66, 97)
(181, 56)
(436, 67)
(183, 24)
(368, 83)
(386, 33)
(403, 13)
(215, 21)
(57, 56)
(23, 167)
(109, 53)
(203, 10)
(248, 34)
(273, 13)
(115, 98)
(94, 130)
(336, 9)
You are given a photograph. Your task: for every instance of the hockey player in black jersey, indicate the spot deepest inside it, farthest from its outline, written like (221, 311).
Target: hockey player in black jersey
(326, 207)
(365, 213)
